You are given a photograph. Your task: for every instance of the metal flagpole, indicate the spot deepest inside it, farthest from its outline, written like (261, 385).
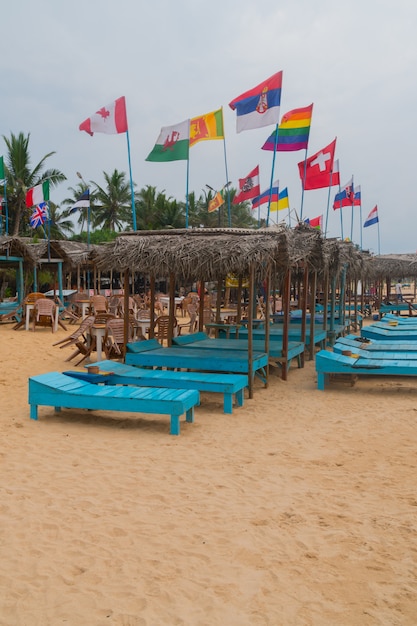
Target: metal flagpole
(186, 191)
(351, 221)
(360, 217)
(302, 185)
(379, 242)
(328, 204)
(6, 209)
(272, 174)
(132, 193)
(229, 211)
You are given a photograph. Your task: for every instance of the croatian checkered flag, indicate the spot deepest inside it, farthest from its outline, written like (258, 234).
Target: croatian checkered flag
(39, 215)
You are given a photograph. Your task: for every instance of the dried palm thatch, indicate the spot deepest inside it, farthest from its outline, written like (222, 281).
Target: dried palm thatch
(16, 247)
(72, 253)
(394, 266)
(210, 253)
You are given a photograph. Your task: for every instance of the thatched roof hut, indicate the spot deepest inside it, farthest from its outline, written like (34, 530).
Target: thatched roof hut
(211, 253)
(18, 248)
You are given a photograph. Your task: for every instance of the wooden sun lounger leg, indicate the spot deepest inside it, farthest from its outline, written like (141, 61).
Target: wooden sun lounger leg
(322, 380)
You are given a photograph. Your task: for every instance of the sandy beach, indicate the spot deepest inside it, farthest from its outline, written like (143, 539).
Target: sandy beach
(298, 509)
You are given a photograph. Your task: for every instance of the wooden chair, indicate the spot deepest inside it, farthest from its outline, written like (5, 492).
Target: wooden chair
(84, 342)
(114, 305)
(44, 313)
(192, 323)
(114, 340)
(99, 304)
(30, 299)
(161, 327)
(80, 334)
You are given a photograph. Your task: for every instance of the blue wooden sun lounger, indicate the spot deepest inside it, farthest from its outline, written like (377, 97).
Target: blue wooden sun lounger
(352, 342)
(230, 385)
(201, 340)
(276, 332)
(389, 333)
(332, 363)
(58, 390)
(362, 351)
(147, 354)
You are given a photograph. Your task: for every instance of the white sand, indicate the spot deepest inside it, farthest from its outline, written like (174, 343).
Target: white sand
(299, 509)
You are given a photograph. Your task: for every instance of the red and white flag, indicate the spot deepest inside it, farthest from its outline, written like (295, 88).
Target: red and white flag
(248, 187)
(110, 119)
(316, 171)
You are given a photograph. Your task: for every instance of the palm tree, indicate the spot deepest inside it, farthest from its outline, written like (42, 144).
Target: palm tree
(113, 204)
(80, 215)
(20, 177)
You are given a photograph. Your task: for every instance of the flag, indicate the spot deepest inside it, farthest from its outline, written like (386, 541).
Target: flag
(82, 202)
(357, 198)
(1, 168)
(37, 194)
(345, 196)
(283, 202)
(372, 217)
(216, 202)
(110, 119)
(172, 144)
(268, 195)
(39, 215)
(318, 168)
(248, 187)
(315, 222)
(259, 106)
(335, 173)
(209, 126)
(293, 132)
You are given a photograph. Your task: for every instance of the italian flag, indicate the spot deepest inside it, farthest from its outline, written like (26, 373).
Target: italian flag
(37, 194)
(173, 143)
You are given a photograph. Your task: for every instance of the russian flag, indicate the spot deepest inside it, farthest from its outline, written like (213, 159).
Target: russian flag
(372, 217)
(259, 106)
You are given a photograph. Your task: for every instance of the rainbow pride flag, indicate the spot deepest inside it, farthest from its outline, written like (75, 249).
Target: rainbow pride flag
(293, 132)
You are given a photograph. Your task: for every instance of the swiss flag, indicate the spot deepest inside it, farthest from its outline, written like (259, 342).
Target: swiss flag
(316, 171)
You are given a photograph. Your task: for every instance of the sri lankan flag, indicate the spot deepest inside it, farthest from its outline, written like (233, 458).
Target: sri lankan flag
(209, 126)
(216, 202)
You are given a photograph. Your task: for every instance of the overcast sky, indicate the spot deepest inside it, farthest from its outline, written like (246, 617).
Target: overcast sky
(356, 61)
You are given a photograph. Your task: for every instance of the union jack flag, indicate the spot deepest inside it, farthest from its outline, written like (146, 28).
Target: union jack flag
(39, 215)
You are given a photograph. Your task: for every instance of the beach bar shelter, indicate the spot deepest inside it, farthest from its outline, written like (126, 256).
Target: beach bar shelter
(198, 255)
(16, 254)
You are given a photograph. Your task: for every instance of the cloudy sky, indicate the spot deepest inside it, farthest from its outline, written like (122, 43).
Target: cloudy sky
(355, 61)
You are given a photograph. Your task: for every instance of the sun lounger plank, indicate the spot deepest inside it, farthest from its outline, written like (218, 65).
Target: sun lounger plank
(232, 386)
(58, 390)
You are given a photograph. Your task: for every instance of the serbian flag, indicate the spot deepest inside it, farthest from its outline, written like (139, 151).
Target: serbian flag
(270, 195)
(206, 127)
(315, 222)
(248, 187)
(292, 133)
(318, 168)
(345, 197)
(259, 106)
(37, 194)
(110, 119)
(216, 202)
(372, 217)
(39, 215)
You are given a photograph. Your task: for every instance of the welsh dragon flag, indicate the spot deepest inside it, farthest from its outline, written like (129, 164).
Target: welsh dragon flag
(173, 143)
